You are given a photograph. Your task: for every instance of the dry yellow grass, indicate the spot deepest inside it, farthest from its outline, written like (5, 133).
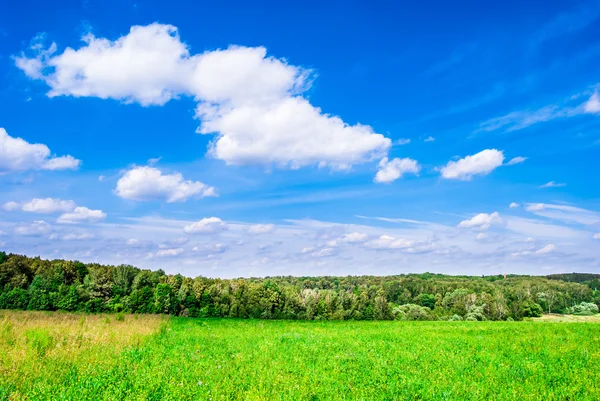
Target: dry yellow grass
(554, 317)
(48, 344)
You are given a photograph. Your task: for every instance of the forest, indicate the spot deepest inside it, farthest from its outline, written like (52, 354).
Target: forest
(37, 284)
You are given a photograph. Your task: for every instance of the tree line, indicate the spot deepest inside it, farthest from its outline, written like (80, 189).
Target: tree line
(38, 284)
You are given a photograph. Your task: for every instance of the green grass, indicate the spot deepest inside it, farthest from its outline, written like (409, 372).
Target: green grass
(194, 359)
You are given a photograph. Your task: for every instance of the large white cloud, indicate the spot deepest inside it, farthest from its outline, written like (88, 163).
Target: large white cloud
(149, 183)
(481, 163)
(391, 170)
(16, 154)
(209, 225)
(252, 102)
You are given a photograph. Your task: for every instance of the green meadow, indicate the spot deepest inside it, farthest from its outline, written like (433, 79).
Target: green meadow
(62, 356)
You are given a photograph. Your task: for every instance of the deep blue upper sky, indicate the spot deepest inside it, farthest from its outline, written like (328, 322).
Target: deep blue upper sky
(509, 79)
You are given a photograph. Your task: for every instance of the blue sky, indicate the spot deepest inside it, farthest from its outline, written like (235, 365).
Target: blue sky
(235, 139)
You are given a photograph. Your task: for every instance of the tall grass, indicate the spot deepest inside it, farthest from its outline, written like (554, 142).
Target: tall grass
(195, 359)
(39, 349)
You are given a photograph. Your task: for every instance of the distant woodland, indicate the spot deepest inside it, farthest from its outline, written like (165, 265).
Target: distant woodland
(37, 284)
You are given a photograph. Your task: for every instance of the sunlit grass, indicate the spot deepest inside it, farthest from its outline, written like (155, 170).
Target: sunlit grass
(39, 349)
(213, 359)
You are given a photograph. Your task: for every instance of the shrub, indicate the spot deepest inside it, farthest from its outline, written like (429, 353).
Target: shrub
(583, 309)
(455, 318)
(475, 313)
(412, 312)
(530, 309)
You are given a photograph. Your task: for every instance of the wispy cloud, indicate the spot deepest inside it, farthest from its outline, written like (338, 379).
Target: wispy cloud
(518, 120)
(553, 184)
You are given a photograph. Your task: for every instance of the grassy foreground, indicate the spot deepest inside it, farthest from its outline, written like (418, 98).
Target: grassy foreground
(59, 356)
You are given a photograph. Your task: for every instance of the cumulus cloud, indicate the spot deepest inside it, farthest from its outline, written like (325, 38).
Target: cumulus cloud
(402, 141)
(48, 205)
(252, 102)
(81, 214)
(16, 154)
(149, 183)
(482, 221)
(354, 238)
(34, 229)
(209, 225)
(429, 139)
(261, 229)
(481, 163)
(514, 205)
(391, 170)
(516, 160)
(553, 184)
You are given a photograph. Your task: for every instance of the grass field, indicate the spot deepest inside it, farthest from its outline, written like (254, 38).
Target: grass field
(57, 356)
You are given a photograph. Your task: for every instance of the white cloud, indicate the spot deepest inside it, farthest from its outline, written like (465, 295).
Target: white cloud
(593, 104)
(553, 184)
(547, 249)
(252, 102)
(325, 252)
(209, 225)
(210, 249)
(566, 213)
(81, 214)
(17, 154)
(61, 163)
(596, 236)
(402, 141)
(77, 237)
(11, 206)
(518, 120)
(354, 238)
(289, 133)
(261, 229)
(48, 205)
(481, 236)
(149, 183)
(101, 178)
(481, 163)
(516, 160)
(550, 248)
(169, 252)
(429, 139)
(389, 242)
(34, 229)
(482, 221)
(391, 170)
(514, 205)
